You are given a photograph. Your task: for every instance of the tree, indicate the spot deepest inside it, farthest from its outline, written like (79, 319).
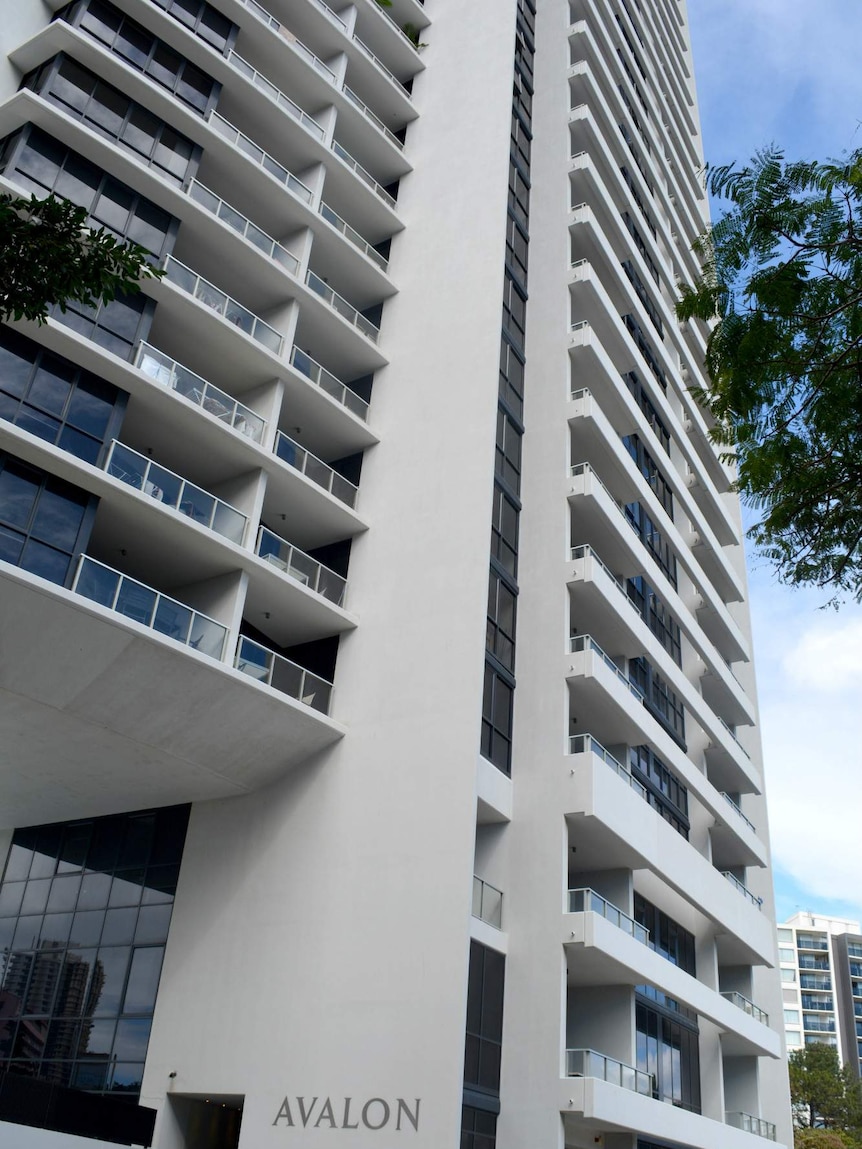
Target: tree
(48, 255)
(782, 278)
(825, 1095)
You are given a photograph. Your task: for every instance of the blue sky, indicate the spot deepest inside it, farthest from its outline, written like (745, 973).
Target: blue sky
(787, 71)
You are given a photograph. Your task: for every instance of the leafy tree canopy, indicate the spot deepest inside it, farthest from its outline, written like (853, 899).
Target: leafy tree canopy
(825, 1095)
(782, 278)
(48, 255)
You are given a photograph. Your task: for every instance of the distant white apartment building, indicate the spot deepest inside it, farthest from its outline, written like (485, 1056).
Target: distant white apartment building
(378, 749)
(821, 982)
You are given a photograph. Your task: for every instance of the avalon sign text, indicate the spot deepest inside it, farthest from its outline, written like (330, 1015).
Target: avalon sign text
(347, 1113)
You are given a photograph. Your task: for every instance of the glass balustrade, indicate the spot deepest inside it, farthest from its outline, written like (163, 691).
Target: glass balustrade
(746, 893)
(243, 226)
(586, 744)
(276, 95)
(365, 176)
(299, 566)
(352, 235)
(743, 1003)
(588, 1063)
(366, 51)
(169, 373)
(258, 156)
(327, 382)
(279, 28)
(141, 603)
(171, 490)
(583, 642)
(487, 903)
(750, 1124)
(315, 469)
(264, 665)
(586, 900)
(737, 810)
(375, 119)
(211, 296)
(330, 15)
(341, 306)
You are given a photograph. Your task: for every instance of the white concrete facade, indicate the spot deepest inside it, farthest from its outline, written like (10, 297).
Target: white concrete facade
(348, 840)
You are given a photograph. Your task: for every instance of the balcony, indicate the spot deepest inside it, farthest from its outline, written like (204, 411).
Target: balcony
(588, 1063)
(365, 176)
(171, 490)
(375, 119)
(580, 643)
(743, 1003)
(270, 247)
(229, 411)
(141, 603)
(258, 156)
(288, 37)
(315, 469)
(583, 900)
(746, 893)
(340, 305)
(749, 1124)
(737, 810)
(327, 383)
(300, 567)
(366, 51)
(353, 236)
(276, 95)
(487, 903)
(222, 304)
(586, 744)
(278, 672)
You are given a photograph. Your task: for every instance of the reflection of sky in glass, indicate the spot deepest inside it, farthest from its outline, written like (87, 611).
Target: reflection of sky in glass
(84, 946)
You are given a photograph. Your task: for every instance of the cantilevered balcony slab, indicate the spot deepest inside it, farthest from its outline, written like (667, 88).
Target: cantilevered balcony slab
(613, 828)
(601, 954)
(100, 714)
(602, 1107)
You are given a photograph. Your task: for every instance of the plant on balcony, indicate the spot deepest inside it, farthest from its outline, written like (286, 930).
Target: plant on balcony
(48, 255)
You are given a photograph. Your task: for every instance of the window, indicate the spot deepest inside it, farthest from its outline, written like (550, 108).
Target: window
(51, 397)
(640, 245)
(511, 377)
(644, 296)
(507, 466)
(146, 53)
(514, 311)
(652, 416)
(516, 252)
(519, 196)
(43, 521)
(478, 1128)
(484, 1019)
(785, 935)
(788, 975)
(665, 792)
(108, 111)
(668, 1049)
(667, 937)
(787, 955)
(497, 706)
(794, 1039)
(204, 20)
(660, 700)
(792, 1015)
(650, 471)
(42, 165)
(656, 615)
(646, 350)
(117, 326)
(502, 602)
(504, 532)
(84, 914)
(653, 540)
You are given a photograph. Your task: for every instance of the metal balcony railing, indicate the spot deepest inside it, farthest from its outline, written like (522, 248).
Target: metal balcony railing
(287, 35)
(365, 176)
(340, 305)
(169, 373)
(351, 234)
(588, 1063)
(141, 603)
(366, 51)
(217, 300)
(264, 665)
(258, 156)
(739, 812)
(746, 893)
(276, 95)
(171, 490)
(585, 743)
(373, 117)
(315, 469)
(747, 1006)
(243, 226)
(327, 382)
(487, 903)
(749, 1124)
(300, 567)
(584, 642)
(584, 900)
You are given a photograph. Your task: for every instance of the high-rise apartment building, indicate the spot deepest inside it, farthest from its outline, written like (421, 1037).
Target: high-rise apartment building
(377, 704)
(821, 982)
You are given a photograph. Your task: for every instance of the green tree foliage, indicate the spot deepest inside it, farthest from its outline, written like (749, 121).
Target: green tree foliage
(48, 255)
(782, 276)
(825, 1095)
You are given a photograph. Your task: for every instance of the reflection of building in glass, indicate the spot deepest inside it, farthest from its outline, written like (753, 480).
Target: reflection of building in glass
(84, 947)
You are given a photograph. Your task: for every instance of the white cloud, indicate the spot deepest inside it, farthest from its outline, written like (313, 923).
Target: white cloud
(828, 658)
